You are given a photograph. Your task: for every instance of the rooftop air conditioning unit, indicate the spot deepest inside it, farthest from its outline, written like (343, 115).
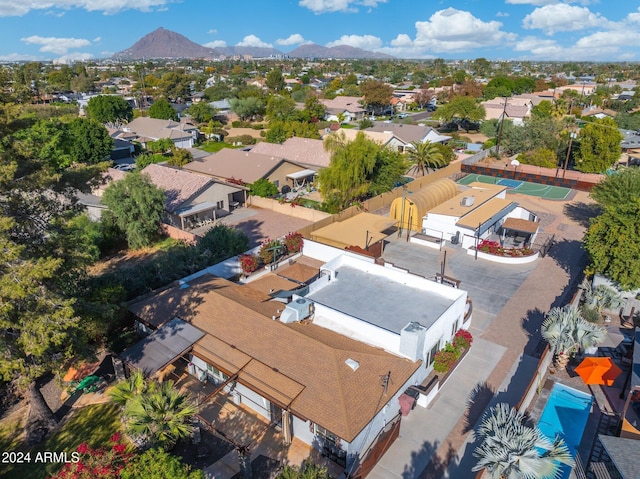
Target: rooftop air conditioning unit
(467, 201)
(297, 310)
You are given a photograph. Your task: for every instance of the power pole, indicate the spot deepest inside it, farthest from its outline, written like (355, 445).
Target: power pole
(504, 112)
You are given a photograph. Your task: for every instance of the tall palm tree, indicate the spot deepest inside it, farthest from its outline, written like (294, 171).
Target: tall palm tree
(125, 390)
(162, 415)
(511, 450)
(425, 155)
(568, 333)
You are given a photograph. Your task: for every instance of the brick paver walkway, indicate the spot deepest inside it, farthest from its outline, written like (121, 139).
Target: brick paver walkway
(517, 326)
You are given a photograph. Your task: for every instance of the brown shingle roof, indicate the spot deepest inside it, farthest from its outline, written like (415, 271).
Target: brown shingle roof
(155, 129)
(519, 224)
(405, 133)
(342, 103)
(237, 164)
(306, 151)
(178, 185)
(300, 364)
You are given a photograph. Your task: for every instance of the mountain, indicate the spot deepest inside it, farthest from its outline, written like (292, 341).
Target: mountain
(162, 43)
(312, 50)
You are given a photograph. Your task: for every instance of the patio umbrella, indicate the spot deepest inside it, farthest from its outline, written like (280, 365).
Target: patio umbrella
(598, 371)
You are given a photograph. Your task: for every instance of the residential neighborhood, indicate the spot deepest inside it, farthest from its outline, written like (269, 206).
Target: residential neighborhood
(249, 267)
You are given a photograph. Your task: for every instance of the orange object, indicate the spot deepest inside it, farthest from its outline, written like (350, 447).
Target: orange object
(71, 375)
(598, 371)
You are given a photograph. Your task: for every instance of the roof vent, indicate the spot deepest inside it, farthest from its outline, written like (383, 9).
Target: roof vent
(467, 201)
(352, 363)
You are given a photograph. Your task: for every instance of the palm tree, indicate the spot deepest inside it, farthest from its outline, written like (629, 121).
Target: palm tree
(127, 389)
(568, 333)
(162, 415)
(601, 297)
(511, 450)
(425, 155)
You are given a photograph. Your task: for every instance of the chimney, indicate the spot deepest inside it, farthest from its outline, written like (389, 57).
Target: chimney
(412, 339)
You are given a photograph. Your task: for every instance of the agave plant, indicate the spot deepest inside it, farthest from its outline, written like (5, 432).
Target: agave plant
(511, 450)
(567, 333)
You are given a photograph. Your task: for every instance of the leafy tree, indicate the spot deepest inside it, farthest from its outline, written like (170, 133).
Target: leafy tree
(180, 157)
(109, 109)
(628, 121)
(377, 95)
(222, 242)
(219, 91)
(537, 132)
(599, 146)
(314, 109)
(175, 85)
(618, 190)
(461, 107)
(610, 242)
(90, 141)
(275, 80)
(281, 108)
(539, 157)
(201, 112)
(279, 131)
(544, 108)
(161, 145)
(248, 108)
(424, 156)
(136, 206)
(162, 110)
(365, 123)
(158, 464)
(357, 169)
(568, 333)
(511, 450)
(263, 188)
(423, 97)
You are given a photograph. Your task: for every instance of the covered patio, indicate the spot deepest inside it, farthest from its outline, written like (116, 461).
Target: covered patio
(299, 179)
(198, 215)
(518, 232)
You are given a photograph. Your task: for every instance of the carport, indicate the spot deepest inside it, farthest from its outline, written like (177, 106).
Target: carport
(162, 347)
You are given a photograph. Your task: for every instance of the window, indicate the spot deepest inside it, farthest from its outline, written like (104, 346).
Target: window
(454, 327)
(220, 205)
(277, 183)
(329, 436)
(215, 375)
(432, 354)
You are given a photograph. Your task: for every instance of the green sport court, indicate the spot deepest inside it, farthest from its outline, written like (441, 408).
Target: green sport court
(522, 187)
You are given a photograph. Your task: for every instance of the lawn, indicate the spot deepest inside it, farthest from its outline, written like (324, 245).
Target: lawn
(92, 424)
(214, 146)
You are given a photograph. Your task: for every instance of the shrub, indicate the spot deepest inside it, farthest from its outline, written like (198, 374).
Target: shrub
(267, 253)
(249, 263)
(293, 242)
(263, 188)
(444, 360)
(462, 339)
(589, 313)
(244, 139)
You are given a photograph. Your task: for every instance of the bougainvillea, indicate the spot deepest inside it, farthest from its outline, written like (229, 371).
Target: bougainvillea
(270, 250)
(293, 242)
(249, 263)
(494, 248)
(462, 339)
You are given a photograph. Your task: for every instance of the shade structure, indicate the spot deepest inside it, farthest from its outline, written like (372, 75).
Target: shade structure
(598, 371)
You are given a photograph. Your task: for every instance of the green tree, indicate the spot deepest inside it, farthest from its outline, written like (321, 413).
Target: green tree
(158, 464)
(599, 146)
(175, 85)
(281, 108)
(180, 157)
(275, 81)
(309, 470)
(279, 131)
(136, 206)
(314, 109)
(425, 155)
(461, 107)
(568, 333)
(618, 190)
(264, 188)
(511, 450)
(628, 121)
(109, 109)
(217, 92)
(377, 95)
(90, 141)
(539, 157)
(611, 245)
(544, 108)
(162, 110)
(201, 112)
(536, 133)
(248, 108)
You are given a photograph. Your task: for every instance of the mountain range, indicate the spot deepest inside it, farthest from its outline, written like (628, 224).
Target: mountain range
(163, 43)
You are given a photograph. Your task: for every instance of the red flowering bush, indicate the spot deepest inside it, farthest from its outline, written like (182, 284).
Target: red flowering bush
(249, 263)
(494, 248)
(293, 242)
(270, 249)
(462, 339)
(102, 463)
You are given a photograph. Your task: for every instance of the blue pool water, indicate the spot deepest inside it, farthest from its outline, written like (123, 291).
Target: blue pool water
(566, 414)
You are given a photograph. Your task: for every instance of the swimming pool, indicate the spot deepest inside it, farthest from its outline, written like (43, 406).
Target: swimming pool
(566, 414)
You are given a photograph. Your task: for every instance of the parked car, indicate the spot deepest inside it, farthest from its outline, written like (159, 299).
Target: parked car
(403, 115)
(124, 167)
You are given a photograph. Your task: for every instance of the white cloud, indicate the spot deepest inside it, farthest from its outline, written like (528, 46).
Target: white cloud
(17, 57)
(563, 18)
(327, 6)
(366, 42)
(253, 41)
(448, 30)
(531, 2)
(97, 40)
(633, 17)
(73, 57)
(215, 44)
(502, 14)
(9, 8)
(56, 45)
(293, 39)
(213, 31)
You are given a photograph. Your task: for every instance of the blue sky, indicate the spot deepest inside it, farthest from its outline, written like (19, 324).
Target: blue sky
(598, 30)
